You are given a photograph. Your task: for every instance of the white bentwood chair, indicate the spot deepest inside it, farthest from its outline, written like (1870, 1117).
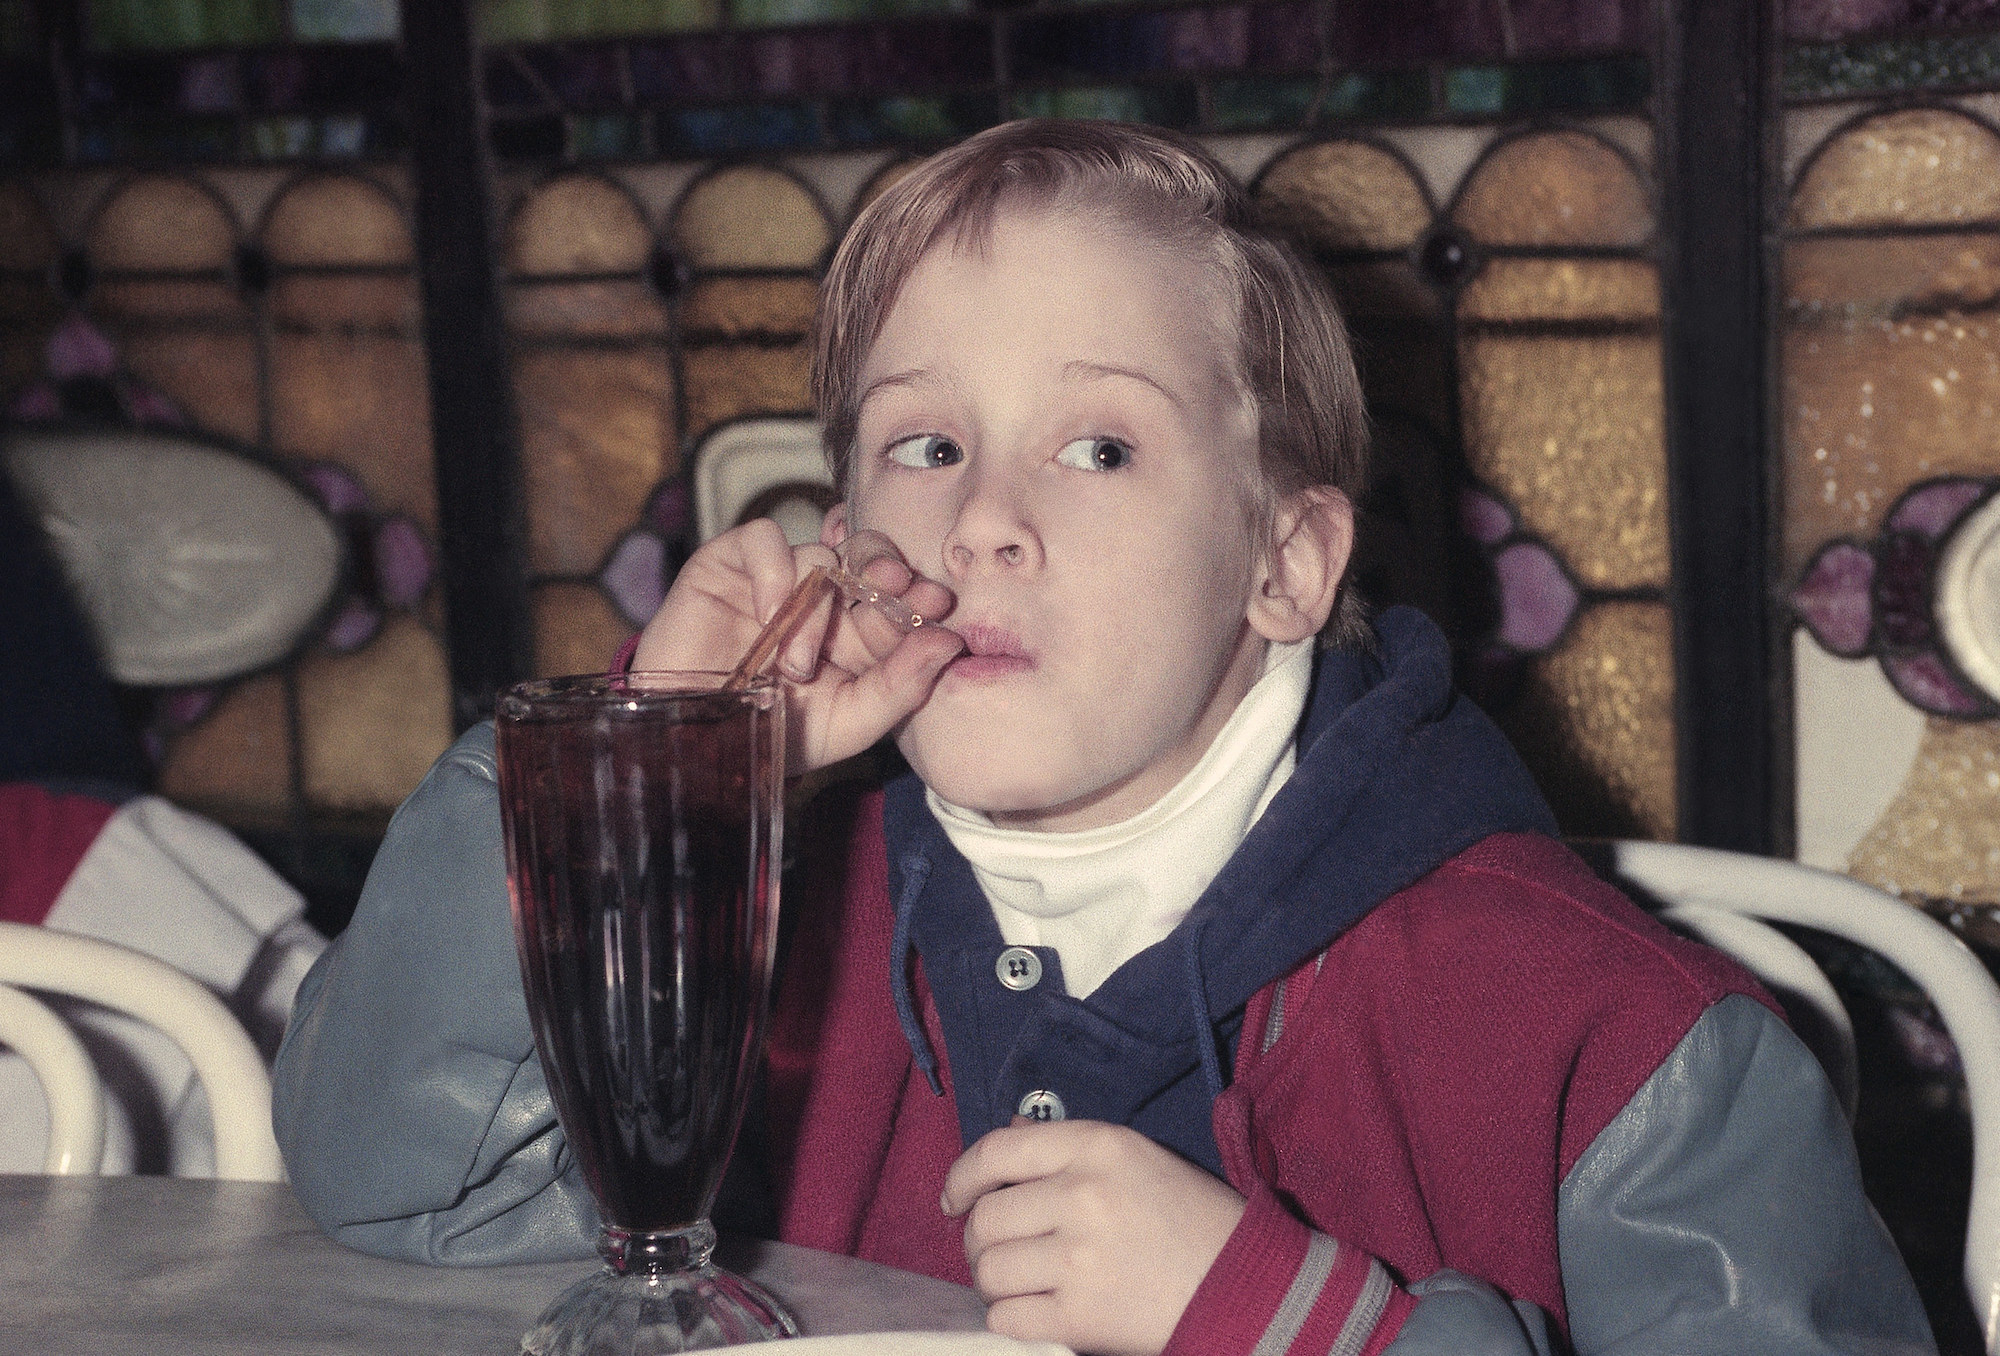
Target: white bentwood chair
(227, 1063)
(1720, 896)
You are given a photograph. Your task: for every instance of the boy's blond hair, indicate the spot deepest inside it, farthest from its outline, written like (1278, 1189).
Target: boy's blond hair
(1296, 364)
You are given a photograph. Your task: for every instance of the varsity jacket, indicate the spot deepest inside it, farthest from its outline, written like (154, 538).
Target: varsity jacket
(1476, 1100)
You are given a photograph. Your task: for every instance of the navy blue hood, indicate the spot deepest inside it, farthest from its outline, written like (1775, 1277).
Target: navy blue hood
(1397, 773)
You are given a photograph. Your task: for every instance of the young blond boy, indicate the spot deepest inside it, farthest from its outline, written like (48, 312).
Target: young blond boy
(1200, 989)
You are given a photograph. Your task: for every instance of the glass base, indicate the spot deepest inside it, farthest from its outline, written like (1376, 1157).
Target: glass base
(659, 1294)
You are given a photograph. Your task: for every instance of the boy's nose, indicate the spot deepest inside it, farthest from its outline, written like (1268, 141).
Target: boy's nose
(990, 532)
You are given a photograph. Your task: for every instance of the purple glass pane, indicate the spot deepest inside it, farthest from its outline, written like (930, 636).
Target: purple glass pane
(184, 706)
(79, 349)
(144, 405)
(1818, 20)
(209, 85)
(667, 513)
(1537, 598)
(635, 576)
(336, 487)
(1562, 27)
(1484, 518)
(37, 402)
(1903, 590)
(509, 82)
(1369, 33)
(1924, 681)
(864, 57)
(354, 627)
(1105, 46)
(583, 78)
(402, 563)
(678, 69)
(1832, 599)
(1283, 38)
(139, 85)
(1931, 508)
(319, 79)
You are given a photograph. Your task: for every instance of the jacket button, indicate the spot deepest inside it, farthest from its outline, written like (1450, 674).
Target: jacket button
(1019, 969)
(1042, 1105)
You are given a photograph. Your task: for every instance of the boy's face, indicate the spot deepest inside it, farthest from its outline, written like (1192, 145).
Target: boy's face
(1055, 429)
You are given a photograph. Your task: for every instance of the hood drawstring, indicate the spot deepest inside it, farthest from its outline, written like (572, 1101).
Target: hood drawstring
(1204, 1024)
(916, 870)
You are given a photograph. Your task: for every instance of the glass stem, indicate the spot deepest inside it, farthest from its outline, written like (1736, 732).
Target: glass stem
(657, 1252)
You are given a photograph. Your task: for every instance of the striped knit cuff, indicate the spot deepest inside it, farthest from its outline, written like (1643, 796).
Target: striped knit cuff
(1278, 1287)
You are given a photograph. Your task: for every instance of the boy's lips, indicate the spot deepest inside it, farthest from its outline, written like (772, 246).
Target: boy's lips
(990, 652)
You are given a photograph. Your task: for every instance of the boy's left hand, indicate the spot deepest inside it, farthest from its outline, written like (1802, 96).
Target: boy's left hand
(1087, 1233)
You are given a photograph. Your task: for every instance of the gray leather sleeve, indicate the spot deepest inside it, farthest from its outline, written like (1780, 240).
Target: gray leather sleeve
(1721, 1211)
(407, 1097)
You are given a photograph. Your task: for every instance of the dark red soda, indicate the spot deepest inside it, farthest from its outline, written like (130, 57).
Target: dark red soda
(642, 845)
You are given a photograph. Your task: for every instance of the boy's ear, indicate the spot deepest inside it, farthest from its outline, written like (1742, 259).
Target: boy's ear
(833, 527)
(1312, 535)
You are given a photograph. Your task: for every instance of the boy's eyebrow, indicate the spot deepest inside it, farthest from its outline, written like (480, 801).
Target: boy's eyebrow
(915, 376)
(1084, 368)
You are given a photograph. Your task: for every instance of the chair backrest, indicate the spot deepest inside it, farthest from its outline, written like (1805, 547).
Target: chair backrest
(228, 1065)
(1713, 892)
(69, 1081)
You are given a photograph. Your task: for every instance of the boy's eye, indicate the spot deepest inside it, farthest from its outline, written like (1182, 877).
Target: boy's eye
(925, 451)
(1094, 454)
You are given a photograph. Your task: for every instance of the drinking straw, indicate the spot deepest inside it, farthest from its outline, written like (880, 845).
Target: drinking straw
(804, 598)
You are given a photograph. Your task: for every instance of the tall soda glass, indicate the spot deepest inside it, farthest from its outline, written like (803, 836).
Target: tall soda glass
(643, 815)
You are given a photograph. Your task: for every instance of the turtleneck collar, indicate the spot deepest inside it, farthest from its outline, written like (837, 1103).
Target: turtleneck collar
(1100, 896)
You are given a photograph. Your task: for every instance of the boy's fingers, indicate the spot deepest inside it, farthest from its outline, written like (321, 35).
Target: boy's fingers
(1024, 1210)
(1027, 1318)
(1020, 1266)
(1018, 1153)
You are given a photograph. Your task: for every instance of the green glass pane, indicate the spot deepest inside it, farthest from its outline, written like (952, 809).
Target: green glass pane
(1162, 105)
(1604, 85)
(542, 20)
(1396, 94)
(17, 29)
(1943, 62)
(282, 138)
(184, 23)
(345, 20)
(608, 136)
(1245, 105)
(766, 13)
(884, 122)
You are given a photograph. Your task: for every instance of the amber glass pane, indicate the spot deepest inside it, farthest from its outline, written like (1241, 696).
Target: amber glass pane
(1569, 431)
(750, 217)
(1345, 195)
(158, 222)
(1940, 836)
(729, 381)
(26, 238)
(616, 309)
(238, 760)
(318, 301)
(337, 219)
(597, 430)
(741, 306)
(1562, 289)
(577, 630)
(360, 399)
(371, 723)
(579, 223)
(170, 300)
(1555, 188)
(1917, 166)
(1831, 277)
(1873, 404)
(210, 374)
(1595, 722)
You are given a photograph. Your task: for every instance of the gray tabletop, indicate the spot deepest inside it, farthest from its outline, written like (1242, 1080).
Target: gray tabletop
(164, 1266)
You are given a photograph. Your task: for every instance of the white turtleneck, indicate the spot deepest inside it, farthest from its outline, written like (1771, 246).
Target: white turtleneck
(1101, 896)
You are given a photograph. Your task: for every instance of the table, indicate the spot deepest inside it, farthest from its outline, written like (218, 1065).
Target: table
(165, 1266)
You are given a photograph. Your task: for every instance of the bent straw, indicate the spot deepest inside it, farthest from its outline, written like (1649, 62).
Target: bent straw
(787, 619)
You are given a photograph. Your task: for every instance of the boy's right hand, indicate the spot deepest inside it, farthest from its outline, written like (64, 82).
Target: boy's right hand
(853, 675)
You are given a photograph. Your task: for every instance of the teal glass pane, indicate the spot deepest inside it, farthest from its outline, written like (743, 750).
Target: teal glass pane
(1396, 94)
(1246, 105)
(343, 138)
(608, 136)
(750, 127)
(1161, 105)
(184, 23)
(1605, 85)
(767, 13)
(345, 20)
(282, 138)
(893, 121)
(1941, 62)
(542, 20)
(17, 29)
